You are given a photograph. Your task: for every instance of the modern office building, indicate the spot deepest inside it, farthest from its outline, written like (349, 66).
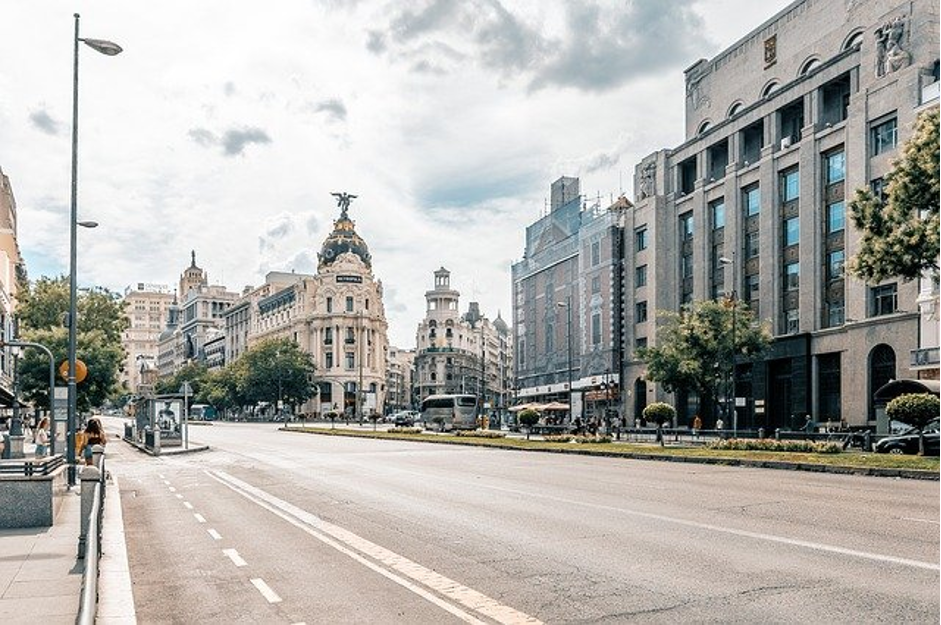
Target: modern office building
(147, 308)
(781, 129)
(567, 304)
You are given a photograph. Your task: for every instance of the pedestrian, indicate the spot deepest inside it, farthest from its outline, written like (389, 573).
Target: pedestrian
(94, 435)
(697, 425)
(809, 425)
(41, 438)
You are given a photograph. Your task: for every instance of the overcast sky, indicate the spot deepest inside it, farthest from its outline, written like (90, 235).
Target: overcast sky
(224, 126)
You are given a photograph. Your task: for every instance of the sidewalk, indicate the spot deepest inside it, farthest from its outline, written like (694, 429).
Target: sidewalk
(40, 574)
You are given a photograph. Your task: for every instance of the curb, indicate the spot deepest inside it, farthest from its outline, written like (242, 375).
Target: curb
(175, 452)
(911, 474)
(116, 595)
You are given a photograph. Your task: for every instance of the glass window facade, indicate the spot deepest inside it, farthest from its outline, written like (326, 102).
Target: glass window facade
(790, 185)
(836, 217)
(717, 209)
(792, 231)
(836, 166)
(792, 276)
(752, 200)
(884, 137)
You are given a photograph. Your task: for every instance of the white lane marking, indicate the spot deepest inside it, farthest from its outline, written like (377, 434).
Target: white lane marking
(265, 590)
(166, 482)
(161, 475)
(172, 490)
(357, 547)
(188, 505)
(215, 535)
(199, 517)
(905, 518)
(235, 557)
(179, 496)
(795, 542)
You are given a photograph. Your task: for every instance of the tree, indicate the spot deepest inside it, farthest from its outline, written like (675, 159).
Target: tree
(915, 409)
(694, 347)
(528, 417)
(220, 389)
(41, 312)
(900, 230)
(194, 373)
(660, 413)
(276, 369)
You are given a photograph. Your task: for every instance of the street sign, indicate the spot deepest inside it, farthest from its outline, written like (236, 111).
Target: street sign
(60, 399)
(186, 389)
(80, 370)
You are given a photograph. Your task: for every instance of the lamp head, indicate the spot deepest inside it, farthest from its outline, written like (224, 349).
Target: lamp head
(108, 48)
(87, 224)
(725, 260)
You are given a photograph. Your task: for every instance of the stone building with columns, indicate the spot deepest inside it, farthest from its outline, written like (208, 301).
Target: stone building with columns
(781, 129)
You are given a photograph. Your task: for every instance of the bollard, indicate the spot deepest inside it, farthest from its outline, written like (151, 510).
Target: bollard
(97, 456)
(761, 433)
(90, 477)
(156, 442)
(867, 441)
(777, 434)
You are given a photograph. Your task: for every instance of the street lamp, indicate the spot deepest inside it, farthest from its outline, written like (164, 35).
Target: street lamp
(730, 384)
(567, 305)
(109, 49)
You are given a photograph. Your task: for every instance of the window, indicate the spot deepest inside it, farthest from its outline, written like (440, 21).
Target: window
(884, 137)
(687, 173)
(686, 266)
(752, 284)
(877, 188)
(686, 226)
(350, 336)
(791, 321)
(640, 343)
(640, 239)
(349, 304)
(836, 166)
(595, 254)
(836, 217)
(717, 210)
(751, 245)
(350, 360)
(790, 185)
(595, 285)
(792, 231)
(751, 200)
(640, 312)
(835, 262)
(883, 300)
(329, 304)
(640, 276)
(328, 336)
(596, 328)
(835, 314)
(791, 276)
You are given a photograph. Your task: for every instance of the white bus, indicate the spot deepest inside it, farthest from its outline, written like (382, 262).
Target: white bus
(450, 412)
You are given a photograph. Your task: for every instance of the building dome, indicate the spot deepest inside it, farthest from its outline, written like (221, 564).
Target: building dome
(343, 238)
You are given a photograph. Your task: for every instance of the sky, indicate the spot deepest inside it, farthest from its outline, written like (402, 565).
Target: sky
(224, 126)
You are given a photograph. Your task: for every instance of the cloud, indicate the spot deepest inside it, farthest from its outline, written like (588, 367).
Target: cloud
(313, 224)
(599, 46)
(44, 122)
(229, 88)
(334, 108)
(233, 141)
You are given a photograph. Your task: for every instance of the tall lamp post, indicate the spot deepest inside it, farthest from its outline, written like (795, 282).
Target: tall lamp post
(109, 49)
(567, 305)
(730, 385)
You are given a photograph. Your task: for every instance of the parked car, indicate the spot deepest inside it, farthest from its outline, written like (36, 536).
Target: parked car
(403, 419)
(907, 441)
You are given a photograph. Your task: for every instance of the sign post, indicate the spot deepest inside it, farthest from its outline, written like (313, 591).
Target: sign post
(186, 389)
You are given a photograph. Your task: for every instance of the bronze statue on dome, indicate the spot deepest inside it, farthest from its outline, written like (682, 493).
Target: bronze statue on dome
(343, 201)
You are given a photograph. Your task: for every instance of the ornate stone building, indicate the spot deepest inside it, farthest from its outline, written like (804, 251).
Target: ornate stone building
(147, 309)
(12, 269)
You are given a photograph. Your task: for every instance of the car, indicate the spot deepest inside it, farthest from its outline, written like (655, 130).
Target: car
(907, 441)
(403, 419)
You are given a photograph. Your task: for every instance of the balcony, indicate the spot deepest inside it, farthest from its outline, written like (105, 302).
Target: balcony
(925, 358)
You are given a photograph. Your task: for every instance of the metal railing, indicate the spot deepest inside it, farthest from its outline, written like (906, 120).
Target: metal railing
(88, 608)
(32, 467)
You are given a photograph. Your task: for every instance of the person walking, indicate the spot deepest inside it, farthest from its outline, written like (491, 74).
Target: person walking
(94, 435)
(697, 425)
(41, 438)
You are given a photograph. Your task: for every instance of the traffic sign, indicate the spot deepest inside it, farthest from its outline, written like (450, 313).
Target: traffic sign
(80, 370)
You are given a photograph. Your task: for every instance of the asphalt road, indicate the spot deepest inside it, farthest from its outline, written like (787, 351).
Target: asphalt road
(280, 527)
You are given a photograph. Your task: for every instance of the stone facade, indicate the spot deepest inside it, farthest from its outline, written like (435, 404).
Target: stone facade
(146, 307)
(781, 128)
(12, 268)
(400, 366)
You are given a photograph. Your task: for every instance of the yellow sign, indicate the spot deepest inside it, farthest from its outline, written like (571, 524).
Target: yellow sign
(80, 370)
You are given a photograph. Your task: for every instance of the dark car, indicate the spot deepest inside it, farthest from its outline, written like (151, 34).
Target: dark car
(403, 419)
(907, 441)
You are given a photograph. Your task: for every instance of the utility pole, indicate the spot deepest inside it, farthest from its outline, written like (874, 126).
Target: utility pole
(359, 387)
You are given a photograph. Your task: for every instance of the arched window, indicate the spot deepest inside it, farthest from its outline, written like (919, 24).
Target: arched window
(853, 40)
(768, 88)
(881, 371)
(703, 127)
(808, 65)
(735, 109)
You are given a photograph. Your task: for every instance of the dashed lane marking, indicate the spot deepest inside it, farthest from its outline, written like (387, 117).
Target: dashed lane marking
(188, 505)
(172, 490)
(385, 562)
(235, 557)
(265, 590)
(199, 517)
(179, 496)
(215, 535)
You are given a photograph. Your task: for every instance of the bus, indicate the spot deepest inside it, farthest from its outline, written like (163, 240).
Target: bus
(450, 412)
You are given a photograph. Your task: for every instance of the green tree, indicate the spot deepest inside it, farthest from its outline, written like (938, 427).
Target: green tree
(900, 231)
(193, 372)
(528, 417)
(41, 313)
(276, 369)
(661, 414)
(915, 409)
(220, 389)
(694, 348)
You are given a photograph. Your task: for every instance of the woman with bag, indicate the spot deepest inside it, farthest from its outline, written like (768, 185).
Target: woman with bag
(94, 435)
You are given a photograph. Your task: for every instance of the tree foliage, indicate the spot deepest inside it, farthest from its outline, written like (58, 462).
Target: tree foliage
(276, 369)
(900, 231)
(915, 409)
(194, 373)
(659, 412)
(694, 348)
(41, 312)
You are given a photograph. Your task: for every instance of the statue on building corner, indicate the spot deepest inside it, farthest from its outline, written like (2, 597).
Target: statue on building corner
(890, 56)
(343, 201)
(648, 182)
